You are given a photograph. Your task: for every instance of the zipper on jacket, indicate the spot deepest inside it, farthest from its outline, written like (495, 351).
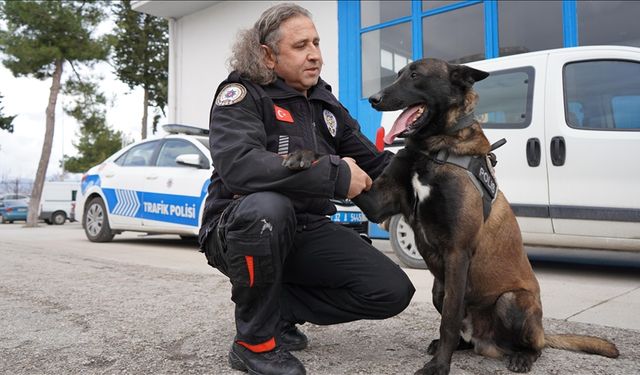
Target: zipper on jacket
(313, 129)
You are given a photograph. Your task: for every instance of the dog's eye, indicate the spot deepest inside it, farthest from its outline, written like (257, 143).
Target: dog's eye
(414, 75)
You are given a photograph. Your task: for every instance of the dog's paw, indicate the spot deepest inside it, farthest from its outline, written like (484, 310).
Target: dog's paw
(434, 368)
(299, 160)
(520, 362)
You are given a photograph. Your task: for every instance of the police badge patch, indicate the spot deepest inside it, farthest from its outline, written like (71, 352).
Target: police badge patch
(231, 94)
(331, 122)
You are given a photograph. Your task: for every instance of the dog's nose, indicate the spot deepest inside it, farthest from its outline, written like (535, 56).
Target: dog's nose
(375, 98)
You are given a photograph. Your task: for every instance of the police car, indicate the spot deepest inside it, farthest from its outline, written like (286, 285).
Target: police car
(159, 186)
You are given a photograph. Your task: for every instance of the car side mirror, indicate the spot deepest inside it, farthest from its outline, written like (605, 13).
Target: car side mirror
(191, 160)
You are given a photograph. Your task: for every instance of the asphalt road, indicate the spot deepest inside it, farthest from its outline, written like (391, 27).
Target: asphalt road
(150, 305)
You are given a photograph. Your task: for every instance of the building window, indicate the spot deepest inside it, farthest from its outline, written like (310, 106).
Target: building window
(455, 36)
(433, 4)
(377, 12)
(525, 26)
(384, 53)
(596, 98)
(608, 22)
(506, 99)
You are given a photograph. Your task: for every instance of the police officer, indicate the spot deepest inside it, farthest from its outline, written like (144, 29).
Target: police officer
(266, 227)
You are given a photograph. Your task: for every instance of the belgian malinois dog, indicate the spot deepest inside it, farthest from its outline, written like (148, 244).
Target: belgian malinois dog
(443, 184)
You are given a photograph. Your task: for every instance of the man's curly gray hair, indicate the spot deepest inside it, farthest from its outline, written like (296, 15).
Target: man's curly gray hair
(247, 56)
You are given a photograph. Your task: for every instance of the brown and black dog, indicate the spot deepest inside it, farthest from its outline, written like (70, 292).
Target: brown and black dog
(443, 184)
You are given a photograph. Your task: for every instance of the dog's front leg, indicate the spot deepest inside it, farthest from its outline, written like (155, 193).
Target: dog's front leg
(389, 190)
(455, 282)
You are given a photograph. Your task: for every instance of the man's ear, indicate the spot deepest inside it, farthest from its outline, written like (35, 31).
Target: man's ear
(465, 76)
(269, 56)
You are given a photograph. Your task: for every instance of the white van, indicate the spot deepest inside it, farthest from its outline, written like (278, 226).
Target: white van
(571, 164)
(58, 200)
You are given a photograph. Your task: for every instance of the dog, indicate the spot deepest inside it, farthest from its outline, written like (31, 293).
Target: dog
(443, 183)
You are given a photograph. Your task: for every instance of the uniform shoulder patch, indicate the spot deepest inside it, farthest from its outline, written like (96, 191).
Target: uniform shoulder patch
(231, 94)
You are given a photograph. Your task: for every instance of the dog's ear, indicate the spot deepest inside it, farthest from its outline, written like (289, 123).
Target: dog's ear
(465, 76)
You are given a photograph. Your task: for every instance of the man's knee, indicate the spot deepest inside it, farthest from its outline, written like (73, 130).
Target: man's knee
(400, 292)
(392, 296)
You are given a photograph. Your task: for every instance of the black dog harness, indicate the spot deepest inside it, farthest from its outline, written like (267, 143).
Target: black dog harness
(479, 172)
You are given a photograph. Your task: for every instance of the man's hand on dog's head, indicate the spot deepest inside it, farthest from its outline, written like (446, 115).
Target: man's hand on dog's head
(360, 180)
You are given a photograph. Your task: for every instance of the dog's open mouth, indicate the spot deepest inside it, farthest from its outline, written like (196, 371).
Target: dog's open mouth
(406, 123)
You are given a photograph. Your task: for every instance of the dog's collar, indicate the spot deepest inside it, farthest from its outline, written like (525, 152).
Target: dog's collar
(463, 122)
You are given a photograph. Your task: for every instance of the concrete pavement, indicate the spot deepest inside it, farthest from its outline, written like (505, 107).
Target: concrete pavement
(150, 305)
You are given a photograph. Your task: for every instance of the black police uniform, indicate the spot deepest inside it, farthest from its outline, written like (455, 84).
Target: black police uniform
(266, 227)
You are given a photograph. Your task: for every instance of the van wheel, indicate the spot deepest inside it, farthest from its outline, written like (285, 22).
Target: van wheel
(96, 222)
(403, 243)
(58, 218)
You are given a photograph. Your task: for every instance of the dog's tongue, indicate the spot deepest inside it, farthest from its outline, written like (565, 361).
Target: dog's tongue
(401, 123)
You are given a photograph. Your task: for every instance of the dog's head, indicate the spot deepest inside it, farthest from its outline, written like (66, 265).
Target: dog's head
(428, 90)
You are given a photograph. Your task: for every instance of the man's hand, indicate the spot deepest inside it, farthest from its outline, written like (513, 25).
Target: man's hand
(360, 180)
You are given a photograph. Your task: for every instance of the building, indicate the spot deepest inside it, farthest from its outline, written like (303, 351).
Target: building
(364, 43)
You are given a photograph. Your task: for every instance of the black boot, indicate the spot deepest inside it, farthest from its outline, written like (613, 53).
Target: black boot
(291, 338)
(275, 362)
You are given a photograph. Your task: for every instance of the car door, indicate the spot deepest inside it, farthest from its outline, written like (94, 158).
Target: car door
(511, 106)
(124, 182)
(593, 135)
(175, 191)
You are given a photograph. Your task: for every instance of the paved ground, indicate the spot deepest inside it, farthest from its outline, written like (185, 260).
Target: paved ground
(150, 305)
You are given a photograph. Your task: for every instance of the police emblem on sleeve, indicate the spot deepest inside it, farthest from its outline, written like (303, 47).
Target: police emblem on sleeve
(330, 121)
(231, 94)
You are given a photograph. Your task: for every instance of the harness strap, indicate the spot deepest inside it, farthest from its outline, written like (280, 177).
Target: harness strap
(479, 173)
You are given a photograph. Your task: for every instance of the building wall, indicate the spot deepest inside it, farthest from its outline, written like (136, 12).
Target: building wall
(201, 45)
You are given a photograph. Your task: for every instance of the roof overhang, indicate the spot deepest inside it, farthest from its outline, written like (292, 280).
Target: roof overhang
(170, 9)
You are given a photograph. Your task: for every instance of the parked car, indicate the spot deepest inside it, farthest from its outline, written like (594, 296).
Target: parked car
(158, 186)
(13, 210)
(57, 202)
(14, 196)
(571, 118)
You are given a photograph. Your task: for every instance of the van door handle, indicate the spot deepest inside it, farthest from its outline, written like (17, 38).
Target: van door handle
(533, 152)
(152, 177)
(558, 151)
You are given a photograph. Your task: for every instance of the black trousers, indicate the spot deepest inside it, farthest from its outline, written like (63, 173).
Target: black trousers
(281, 270)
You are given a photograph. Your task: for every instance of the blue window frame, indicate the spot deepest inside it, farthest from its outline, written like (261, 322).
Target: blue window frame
(350, 48)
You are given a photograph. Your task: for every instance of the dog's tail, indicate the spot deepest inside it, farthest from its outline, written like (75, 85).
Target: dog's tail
(587, 344)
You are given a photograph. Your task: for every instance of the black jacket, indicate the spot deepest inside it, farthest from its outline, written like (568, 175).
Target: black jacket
(248, 140)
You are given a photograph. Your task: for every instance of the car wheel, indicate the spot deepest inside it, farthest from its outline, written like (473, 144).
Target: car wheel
(58, 218)
(403, 243)
(96, 222)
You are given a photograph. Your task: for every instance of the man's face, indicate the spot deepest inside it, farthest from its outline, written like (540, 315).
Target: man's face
(299, 60)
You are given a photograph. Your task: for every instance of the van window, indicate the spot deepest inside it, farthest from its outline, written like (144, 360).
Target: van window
(506, 98)
(602, 95)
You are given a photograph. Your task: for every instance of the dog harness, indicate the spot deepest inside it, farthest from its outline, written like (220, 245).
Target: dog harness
(478, 168)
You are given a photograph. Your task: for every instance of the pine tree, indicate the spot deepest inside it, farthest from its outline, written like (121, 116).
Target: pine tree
(6, 122)
(41, 38)
(140, 54)
(97, 141)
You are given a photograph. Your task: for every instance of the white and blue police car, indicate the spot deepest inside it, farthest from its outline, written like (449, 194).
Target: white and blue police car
(159, 186)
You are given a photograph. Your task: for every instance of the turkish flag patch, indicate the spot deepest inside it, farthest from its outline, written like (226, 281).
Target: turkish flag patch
(282, 114)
